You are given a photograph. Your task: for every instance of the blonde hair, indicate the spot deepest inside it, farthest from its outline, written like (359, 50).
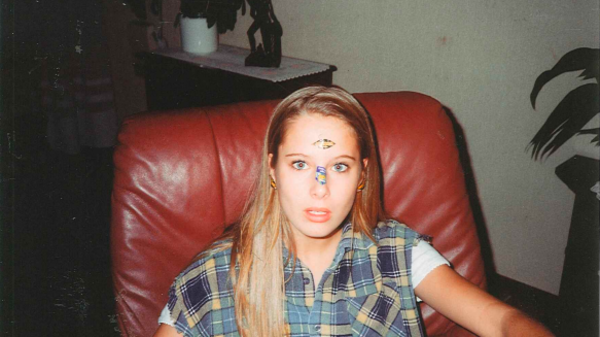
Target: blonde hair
(257, 240)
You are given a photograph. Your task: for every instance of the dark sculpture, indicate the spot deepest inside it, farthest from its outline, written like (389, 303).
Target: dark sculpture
(268, 54)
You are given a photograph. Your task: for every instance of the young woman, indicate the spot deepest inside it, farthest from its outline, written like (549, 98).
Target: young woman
(313, 253)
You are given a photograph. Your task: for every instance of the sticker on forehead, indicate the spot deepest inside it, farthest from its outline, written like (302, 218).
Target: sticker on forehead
(321, 175)
(324, 144)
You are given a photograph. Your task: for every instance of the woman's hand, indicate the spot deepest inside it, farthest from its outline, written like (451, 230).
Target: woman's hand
(469, 306)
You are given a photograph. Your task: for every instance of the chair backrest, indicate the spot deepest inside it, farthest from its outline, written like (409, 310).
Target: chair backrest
(182, 176)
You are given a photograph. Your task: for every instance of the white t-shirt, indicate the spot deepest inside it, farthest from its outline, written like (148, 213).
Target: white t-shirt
(424, 259)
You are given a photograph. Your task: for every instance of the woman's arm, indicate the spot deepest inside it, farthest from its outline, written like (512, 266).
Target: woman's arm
(165, 330)
(467, 305)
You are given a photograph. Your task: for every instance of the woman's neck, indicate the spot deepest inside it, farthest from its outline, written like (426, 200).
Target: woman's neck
(317, 253)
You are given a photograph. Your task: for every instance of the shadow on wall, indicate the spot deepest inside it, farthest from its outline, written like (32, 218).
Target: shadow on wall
(482, 232)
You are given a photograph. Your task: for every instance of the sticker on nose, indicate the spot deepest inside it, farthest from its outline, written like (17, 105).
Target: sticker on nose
(321, 175)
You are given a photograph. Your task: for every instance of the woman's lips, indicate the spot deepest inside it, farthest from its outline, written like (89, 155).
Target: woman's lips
(317, 215)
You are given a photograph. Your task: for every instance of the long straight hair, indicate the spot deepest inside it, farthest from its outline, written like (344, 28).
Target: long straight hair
(257, 240)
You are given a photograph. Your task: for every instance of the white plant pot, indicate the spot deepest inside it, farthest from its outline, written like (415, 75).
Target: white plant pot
(197, 38)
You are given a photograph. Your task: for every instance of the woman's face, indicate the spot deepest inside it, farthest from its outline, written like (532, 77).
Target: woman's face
(317, 207)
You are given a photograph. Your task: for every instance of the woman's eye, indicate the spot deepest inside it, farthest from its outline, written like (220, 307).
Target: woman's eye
(299, 165)
(340, 167)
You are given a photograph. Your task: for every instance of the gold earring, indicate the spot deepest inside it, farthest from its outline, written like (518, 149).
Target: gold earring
(273, 184)
(360, 187)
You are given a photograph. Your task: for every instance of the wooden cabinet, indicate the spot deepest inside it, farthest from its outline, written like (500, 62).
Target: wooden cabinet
(175, 79)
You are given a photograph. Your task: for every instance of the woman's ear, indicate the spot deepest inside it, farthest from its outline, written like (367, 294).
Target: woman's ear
(362, 173)
(271, 169)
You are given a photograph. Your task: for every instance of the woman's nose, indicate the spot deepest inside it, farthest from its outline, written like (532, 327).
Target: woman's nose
(319, 186)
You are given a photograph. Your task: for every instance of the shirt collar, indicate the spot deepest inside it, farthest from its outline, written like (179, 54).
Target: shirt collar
(361, 241)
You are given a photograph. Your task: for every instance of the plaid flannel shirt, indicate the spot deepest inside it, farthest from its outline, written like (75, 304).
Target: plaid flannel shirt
(367, 291)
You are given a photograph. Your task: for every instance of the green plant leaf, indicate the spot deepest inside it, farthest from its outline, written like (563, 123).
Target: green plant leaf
(177, 20)
(223, 13)
(595, 131)
(211, 20)
(585, 59)
(568, 118)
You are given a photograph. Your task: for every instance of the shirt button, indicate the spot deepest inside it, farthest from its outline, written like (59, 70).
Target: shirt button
(317, 328)
(306, 280)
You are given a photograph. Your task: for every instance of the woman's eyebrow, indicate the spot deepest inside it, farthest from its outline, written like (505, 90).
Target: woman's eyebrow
(296, 155)
(346, 156)
(336, 158)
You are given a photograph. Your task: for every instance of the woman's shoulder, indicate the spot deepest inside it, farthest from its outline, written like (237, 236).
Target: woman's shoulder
(392, 229)
(207, 263)
(207, 274)
(193, 293)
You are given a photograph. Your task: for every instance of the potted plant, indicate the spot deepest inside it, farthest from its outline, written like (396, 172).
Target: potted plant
(578, 311)
(198, 19)
(575, 110)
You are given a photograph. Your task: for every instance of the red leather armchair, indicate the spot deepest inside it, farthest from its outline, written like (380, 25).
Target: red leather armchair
(182, 176)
